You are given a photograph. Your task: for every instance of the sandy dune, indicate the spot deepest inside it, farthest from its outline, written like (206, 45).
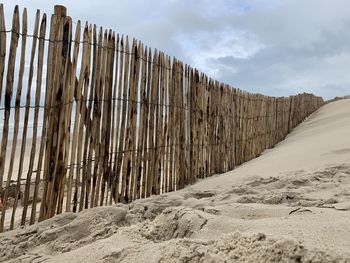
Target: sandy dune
(292, 204)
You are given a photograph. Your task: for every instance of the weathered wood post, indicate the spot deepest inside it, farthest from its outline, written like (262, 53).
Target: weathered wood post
(57, 70)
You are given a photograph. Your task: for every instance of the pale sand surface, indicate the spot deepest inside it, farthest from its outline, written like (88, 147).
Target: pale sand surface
(292, 204)
(26, 159)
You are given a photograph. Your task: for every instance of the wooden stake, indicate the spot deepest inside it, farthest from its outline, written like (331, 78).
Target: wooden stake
(2, 47)
(76, 120)
(37, 103)
(119, 132)
(8, 95)
(96, 122)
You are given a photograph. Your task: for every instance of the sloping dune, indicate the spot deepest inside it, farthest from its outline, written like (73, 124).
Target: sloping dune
(292, 204)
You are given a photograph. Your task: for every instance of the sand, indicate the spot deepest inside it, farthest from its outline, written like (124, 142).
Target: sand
(292, 204)
(26, 159)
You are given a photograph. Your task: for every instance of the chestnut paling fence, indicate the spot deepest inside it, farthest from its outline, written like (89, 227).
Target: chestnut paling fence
(89, 119)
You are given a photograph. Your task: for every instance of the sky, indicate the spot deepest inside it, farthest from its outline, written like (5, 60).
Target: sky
(273, 47)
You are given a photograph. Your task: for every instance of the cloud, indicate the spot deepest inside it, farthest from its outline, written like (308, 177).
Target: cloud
(223, 45)
(268, 46)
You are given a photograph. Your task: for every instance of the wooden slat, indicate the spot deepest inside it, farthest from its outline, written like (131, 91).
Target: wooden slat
(17, 112)
(158, 130)
(179, 144)
(158, 127)
(57, 169)
(118, 153)
(91, 141)
(2, 48)
(167, 124)
(102, 128)
(60, 168)
(232, 128)
(87, 158)
(181, 117)
(47, 112)
(84, 84)
(129, 133)
(9, 88)
(163, 114)
(191, 123)
(54, 67)
(133, 118)
(171, 141)
(141, 123)
(194, 128)
(9, 85)
(126, 170)
(146, 151)
(37, 103)
(239, 130)
(83, 87)
(76, 119)
(75, 161)
(115, 123)
(96, 113)
(109, 133)
(151, 145)
(202, 143)
(103, 161)
(121, 155)
(65, 116)
(105, 117)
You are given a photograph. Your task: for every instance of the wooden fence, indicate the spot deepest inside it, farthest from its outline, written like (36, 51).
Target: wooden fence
(106, 120)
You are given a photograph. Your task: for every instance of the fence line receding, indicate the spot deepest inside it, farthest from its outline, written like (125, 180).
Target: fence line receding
(89, 118)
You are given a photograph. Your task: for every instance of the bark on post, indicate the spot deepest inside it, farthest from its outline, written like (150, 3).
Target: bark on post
(55, 169)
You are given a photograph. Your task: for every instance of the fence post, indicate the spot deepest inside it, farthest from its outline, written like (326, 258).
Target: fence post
(58, 62)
